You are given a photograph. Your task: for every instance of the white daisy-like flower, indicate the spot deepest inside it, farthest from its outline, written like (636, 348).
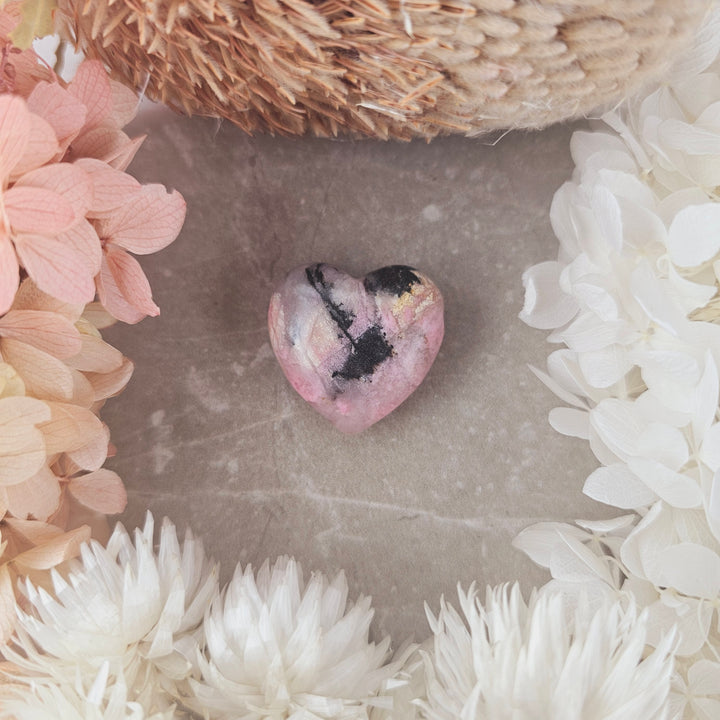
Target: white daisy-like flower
(275, 647)
(125, 604)
(106, 698)
(517, 661)
(407, 686)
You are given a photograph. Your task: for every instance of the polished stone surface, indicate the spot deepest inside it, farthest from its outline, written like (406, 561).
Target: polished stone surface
(355, 348)
(210, 433)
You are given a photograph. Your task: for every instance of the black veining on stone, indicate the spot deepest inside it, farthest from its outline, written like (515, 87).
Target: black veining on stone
(343, 318)
(393, 279)
(366, 351)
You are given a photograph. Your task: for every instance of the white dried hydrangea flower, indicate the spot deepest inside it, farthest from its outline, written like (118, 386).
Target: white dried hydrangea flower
(275, 647)
(125, 604)
(634, 298)
(517, 661)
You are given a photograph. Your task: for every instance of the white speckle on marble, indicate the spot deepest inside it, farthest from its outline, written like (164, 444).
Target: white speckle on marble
(206, 392)
(432, 213)
(238, 369)
(263, 353)
(161, 456)
(527, 434)
(157, 418)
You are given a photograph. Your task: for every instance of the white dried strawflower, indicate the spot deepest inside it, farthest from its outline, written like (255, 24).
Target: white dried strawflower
(275, 647)
(125, 604)
(106, 698)
(517, 661)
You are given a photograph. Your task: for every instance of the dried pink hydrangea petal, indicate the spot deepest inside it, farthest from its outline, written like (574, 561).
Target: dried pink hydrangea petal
(355, 349)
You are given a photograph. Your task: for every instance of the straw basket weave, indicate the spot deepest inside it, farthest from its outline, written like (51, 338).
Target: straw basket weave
(384, 68)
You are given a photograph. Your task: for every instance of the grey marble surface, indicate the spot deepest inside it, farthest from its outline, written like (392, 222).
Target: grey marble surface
(210, 433)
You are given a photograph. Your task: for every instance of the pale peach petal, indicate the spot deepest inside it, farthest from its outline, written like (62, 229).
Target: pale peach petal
(3, 505)
(104, 142)
(95, 355)
(70, 428)
(107, 385)
(14, 132)
(44, 330)
(93, 454)
(23, 409)
(130, 279)
(61, 266)
(9, 273)
(7, 605)
(53, 552)
(112, 298)
(98, 316)
(83, 392)
(38, 211)
(124, 103)
(22, 445)
(61, 517)
(30, 297)
(150, 221)
(66, 179)
(102, 490)
(32, 532)
(124, 153)
(22, 453)
(37, 498)
(42, 146)
(10, 17)
(111, 188)
(45, 377)
(91, 85)
(65, 113)
(84, 239)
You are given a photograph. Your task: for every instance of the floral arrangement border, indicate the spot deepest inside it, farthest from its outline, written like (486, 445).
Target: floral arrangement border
(111, 625)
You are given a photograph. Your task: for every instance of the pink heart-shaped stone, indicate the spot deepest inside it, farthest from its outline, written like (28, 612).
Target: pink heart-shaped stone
(355, 349)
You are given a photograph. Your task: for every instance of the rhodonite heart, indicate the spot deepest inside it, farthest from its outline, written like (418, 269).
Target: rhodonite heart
(355, 349)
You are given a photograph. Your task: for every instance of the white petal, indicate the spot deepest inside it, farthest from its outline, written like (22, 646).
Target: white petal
(546, 306)
(555, 387)
(674, 488)
(694, 235)
(616, 485)
(603, 368)
(689, 568)
(539, 541)
(691, 139)
(706, 398)
(653, 299)
(663, 443)
(617, 425)
(569, 421)
(700, 54)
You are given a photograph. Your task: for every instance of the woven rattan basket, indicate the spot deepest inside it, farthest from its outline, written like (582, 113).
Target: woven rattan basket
(401, 68)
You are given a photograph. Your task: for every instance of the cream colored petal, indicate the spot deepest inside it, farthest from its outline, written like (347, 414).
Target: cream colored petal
(22, 446)
(37, 498)
(44, 376)
(70, 428)
(53, 552)
(7, 604)
(101, 490)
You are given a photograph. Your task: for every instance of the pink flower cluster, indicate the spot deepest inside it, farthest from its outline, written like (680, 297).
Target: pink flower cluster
(70, 217)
